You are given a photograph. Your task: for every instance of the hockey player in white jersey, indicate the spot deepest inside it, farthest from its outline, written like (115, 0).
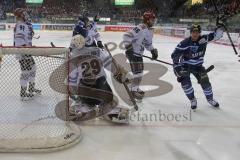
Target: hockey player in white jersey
(135, 41)
(23, 34)
(87, 70)
(95, 37)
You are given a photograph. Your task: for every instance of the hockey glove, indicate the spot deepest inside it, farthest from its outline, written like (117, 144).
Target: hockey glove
(154, 54)
(100, 45)
(220, 22)
(129, 50)
(96, 18)
(180, 71)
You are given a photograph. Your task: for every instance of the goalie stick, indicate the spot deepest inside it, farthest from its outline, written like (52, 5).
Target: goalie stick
(125, 85)
(225, 27)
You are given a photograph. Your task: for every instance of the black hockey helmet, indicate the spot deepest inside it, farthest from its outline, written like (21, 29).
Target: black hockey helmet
(84, 17)
(196, 27)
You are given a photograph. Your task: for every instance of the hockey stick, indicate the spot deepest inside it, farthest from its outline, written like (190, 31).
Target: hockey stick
(230, 39)
(125, 85)
(225, 27)
(158, 60)
(97, 15)
(207, 70)
(210, 68)
(52, 45)
(100, 11)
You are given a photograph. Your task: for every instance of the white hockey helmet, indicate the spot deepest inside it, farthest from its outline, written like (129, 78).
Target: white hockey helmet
(22, 13)
(77, 42)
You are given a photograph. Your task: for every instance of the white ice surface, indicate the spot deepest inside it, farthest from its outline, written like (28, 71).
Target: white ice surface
(210, 135)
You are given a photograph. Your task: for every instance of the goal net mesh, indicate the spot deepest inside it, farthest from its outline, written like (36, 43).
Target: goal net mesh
(32, 126)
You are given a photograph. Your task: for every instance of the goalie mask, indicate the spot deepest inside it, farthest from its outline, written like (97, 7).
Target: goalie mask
(21, 13)
(77, 42)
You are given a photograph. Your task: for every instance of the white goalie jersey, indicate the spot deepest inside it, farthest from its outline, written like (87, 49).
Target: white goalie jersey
(87, 65)
(140, 37)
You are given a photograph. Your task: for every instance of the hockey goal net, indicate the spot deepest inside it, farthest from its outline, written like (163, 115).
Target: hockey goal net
(32, 126)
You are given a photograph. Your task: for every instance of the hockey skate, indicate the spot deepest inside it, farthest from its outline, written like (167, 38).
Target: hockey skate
(32, 90)
(79, 109)
(213, 103)
(141, 92)
(25, 96)
(118, 115)
(193, 104)
(137, 95)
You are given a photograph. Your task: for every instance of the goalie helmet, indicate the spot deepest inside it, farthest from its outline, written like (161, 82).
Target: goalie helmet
(77, 42)
(147, 16)
(22, 13)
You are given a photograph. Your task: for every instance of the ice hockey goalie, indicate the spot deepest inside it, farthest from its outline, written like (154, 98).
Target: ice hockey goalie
(90, 94)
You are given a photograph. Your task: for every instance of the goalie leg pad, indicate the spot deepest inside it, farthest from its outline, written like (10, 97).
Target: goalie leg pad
(95, 111)
(101, 84)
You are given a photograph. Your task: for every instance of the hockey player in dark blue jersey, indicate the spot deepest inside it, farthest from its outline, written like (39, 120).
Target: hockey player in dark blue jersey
(89, 31)
(81, 26)
(188, 58)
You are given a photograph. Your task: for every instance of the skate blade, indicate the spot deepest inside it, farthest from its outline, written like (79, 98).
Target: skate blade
(123, 121)
(137, 100)
(194, 110)
(37, 93)
(116, 120)
(216, 108)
